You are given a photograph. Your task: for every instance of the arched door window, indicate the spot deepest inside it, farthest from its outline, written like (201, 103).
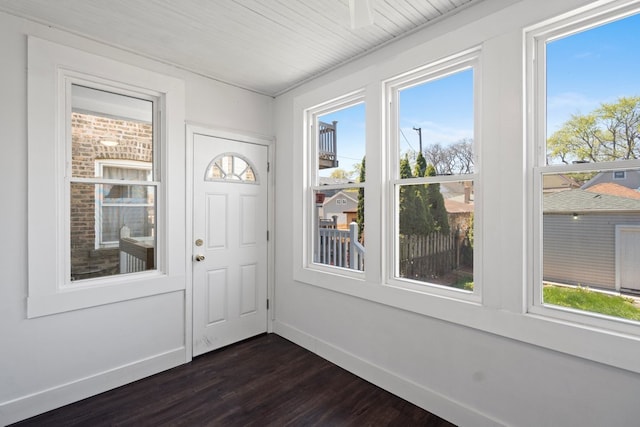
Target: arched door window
(231, 167)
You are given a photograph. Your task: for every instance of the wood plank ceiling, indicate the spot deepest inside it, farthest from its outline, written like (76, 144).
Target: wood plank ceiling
(268, 47)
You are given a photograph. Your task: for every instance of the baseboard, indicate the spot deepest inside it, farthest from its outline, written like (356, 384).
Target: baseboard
(408, 390)
(28, 406)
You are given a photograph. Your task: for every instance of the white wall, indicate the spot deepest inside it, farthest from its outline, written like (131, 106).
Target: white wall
(53, 360)
(472, 364)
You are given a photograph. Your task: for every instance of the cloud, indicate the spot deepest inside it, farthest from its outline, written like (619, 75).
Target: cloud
(575, 101)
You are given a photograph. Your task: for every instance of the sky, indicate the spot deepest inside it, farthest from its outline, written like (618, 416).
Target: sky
(583, 70)
(589, 68)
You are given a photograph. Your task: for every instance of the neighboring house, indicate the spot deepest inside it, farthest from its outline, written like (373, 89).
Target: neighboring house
(341, 205)
(626, 178)
(613, 189)
(591, 239)
(459, 203)
(558, 182)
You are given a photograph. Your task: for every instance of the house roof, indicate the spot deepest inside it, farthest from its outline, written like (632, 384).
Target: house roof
(586, 201)
(340, 194)
(455, 206)
(613, 189)
(268, 47)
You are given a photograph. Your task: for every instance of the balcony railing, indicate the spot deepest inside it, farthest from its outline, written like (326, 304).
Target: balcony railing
(327, 145)
(340, 248)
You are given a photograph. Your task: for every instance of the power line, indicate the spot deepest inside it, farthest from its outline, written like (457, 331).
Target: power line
(405, 138)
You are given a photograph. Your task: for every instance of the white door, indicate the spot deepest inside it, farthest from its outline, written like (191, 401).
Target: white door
(628, 253)
(230, 242)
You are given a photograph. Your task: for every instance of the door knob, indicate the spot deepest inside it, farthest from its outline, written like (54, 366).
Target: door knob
(199, 257)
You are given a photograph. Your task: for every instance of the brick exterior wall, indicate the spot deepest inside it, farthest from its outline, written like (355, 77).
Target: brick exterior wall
(135, 143)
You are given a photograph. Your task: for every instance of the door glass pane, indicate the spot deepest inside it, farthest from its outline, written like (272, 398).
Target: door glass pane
(230, 167)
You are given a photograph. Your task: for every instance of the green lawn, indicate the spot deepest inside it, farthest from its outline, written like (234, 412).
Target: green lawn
(597, 302)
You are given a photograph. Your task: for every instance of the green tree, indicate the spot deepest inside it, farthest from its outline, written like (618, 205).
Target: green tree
(435, 203)
(414, 218)
(610, 132)
(360, 213)
(340, 174)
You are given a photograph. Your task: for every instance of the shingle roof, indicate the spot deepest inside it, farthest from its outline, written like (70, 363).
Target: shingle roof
(586, 201)
(613, 189)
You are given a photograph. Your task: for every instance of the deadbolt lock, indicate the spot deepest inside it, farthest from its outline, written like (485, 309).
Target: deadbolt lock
(199, 242)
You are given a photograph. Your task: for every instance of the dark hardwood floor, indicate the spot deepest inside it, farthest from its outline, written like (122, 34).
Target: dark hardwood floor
(264, 381)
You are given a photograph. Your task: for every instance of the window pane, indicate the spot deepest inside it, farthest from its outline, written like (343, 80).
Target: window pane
(436, 119)
(108, 126)
(591, 242)
(99, 218)
(230, 167)
(341, 146)
(593, 94)
(435, 242)
(339, 228)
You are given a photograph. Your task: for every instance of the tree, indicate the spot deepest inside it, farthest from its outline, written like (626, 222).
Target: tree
(340, 174)
(456, 158)
(610, 132)
(360, 213)
(414, 217)
(435, 203)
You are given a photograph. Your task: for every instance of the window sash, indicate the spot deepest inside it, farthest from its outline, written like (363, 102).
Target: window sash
(536, 40)
(469, 59)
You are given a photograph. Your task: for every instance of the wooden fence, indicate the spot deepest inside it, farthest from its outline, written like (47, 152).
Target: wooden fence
(433, 255)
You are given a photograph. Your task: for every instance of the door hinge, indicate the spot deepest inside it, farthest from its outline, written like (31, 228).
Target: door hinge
(267, 235)
(267, 304)
(268, 166)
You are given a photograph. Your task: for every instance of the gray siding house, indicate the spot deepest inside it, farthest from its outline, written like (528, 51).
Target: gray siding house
(591, 239)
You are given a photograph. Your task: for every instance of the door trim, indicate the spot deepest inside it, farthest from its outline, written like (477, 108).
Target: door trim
(619, 229)
(193, 129)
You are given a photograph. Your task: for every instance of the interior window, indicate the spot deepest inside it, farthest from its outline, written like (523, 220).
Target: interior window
(588, 174)
(434, 178)
(112, 186)
(337, 190)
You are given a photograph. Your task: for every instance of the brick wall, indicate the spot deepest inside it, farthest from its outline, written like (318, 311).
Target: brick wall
(135, 142)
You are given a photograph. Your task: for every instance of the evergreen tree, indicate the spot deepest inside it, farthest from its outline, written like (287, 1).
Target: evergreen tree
(414, 215)
(423, 218)
(360, 215)
(435, 201)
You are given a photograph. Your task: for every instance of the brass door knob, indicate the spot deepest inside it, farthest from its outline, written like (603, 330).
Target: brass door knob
(199, 257)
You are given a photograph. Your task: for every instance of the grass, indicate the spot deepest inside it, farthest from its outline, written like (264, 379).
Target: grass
(464, 282)
(582, 298)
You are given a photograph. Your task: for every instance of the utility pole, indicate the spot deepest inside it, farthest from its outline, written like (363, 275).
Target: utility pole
(419, 130)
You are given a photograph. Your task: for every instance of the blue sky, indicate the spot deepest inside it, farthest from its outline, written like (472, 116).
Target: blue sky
(591, 67)
(583, 70)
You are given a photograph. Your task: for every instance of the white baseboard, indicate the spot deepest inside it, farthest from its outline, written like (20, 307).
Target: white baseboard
(55, 397)
(408, 390)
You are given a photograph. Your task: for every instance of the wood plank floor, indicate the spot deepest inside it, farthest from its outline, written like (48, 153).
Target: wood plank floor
(264, 381)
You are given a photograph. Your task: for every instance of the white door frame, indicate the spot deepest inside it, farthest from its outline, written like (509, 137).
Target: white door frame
(196, 129)
(618, 251)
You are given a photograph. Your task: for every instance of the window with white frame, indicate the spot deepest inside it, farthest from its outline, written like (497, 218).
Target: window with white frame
(336, 158)
(123, 208)
(97, 134)
(112, 171)
(584, 136)
(433, 176)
